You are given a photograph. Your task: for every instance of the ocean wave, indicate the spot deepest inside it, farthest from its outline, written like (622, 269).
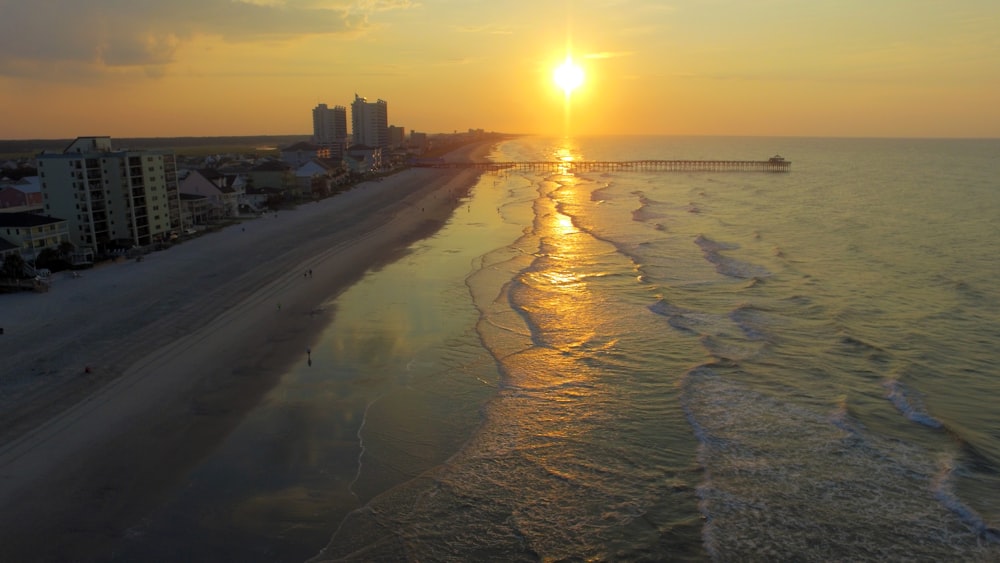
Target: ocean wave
(944, 492)
(602, 193)
(734, 351)
(648, 209)
(644, 215)
(781, 478)
(751, 320)
(709, 245)
(689, 320)
(726, 265)
(736, 336)
(909, 403)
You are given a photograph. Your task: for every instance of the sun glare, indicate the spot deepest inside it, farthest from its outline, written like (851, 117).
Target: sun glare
(568, 76)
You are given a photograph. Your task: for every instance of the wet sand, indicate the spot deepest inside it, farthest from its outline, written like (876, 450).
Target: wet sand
(180, 346)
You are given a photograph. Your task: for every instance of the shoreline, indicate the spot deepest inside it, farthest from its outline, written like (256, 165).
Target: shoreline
(74, 483)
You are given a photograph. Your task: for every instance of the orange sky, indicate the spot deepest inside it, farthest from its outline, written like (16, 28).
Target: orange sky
(704, 67)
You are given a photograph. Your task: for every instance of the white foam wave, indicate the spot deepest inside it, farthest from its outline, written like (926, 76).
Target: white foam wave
(943, 490)
(779, 476)
(909, 403)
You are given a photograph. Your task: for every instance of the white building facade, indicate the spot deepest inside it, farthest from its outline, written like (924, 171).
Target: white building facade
(329, 125)
(370, 122)
(109, 197)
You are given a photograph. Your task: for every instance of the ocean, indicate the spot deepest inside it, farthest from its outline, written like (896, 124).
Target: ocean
(630, 366)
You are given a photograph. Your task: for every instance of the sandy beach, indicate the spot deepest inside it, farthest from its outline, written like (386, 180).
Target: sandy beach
(116, 382)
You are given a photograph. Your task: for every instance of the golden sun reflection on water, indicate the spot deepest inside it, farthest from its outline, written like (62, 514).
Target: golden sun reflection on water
(561, 292)
(564, 225)
(566, 157)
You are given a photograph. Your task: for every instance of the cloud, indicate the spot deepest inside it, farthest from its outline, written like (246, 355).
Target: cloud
(489, 29)
(38, 37)
(608, 55)
(262, 2)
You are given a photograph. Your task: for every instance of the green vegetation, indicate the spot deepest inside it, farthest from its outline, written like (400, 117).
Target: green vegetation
(13, 267)
(262, 145)
(209, 150)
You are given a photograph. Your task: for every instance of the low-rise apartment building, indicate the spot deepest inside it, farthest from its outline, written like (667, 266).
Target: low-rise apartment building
(31, 233)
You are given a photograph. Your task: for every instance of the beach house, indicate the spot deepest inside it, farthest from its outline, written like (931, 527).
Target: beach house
(24, 194)
(224, 191)
(363, 159)
(316, 177)
(273, 175)
(301, 153)
(31, 233)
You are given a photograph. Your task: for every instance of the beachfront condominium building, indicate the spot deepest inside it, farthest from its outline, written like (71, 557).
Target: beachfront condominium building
(329, 125)
(397, 136)
(111, 198)
(370, 122)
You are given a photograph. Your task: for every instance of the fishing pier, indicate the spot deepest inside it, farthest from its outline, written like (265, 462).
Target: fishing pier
(773, 164)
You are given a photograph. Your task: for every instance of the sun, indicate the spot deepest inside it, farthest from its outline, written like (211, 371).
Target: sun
(568, 76)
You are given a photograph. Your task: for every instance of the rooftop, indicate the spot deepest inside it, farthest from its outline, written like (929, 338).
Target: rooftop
(22, 219)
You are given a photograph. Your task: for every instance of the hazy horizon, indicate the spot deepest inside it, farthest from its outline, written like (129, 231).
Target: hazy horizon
(180, 68)
(515, 134)
(305, 136)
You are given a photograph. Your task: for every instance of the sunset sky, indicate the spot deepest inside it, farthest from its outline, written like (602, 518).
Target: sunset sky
(126, 68)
